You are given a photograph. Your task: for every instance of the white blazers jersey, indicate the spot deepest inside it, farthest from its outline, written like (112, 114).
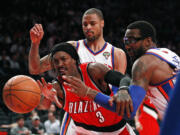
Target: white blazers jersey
(104, 56)
(159, 93)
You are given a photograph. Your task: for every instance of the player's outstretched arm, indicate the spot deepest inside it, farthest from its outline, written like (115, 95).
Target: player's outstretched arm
(79, 88)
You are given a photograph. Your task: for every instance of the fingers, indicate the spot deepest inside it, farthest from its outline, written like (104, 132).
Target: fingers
(118, 107)
(43, 81)
(71, 88)
(57, 102)
(122, 109)
(70, 85)
(37, 29)
(40, 84)
(128, 110)
(36, 33)
(131, 106)
(72, 81)
(49, 86)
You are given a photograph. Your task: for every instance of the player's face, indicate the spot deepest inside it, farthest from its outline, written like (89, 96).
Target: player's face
(134, 43)
(63, 63)
(92, 27)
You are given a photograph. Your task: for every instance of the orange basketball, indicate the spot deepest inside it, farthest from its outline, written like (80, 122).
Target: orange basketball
(21, 94)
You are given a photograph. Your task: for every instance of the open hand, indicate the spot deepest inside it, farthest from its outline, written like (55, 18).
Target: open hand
(77, 86)
(49, 92)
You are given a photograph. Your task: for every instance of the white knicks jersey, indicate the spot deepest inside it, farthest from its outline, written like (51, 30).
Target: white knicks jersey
(159, 93)
(104, 56)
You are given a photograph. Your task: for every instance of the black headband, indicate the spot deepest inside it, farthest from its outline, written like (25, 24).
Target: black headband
(65, 47)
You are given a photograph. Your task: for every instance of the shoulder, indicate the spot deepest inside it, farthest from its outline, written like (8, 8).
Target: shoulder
(146, 62)
(143, 69)
(74, 43)
(119, 53)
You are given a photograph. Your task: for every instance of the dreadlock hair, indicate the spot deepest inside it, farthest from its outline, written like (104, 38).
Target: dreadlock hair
(96, 11)
(65, 47)
(146, 29)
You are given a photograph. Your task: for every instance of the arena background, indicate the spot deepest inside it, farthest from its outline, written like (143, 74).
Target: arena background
(61, 20)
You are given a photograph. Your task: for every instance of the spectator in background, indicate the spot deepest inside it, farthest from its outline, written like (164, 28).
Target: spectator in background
(20, 129)
(28, 121)
(44, 116)
(52, 125)
(37, 126)
(5, 63)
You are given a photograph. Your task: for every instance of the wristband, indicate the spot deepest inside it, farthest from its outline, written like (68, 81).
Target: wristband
(137, 94)
(102, 100)
(124, 88)
(125, 81)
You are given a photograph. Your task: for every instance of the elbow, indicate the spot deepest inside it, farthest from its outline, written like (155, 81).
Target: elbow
(34, 71)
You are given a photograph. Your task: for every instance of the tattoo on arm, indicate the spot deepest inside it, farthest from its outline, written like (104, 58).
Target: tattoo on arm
(140, 74)
(45, 64)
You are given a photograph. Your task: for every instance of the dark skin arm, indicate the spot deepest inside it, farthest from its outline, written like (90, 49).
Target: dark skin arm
(140, 77)
(150, 70)
(147, 70)
(97, 72)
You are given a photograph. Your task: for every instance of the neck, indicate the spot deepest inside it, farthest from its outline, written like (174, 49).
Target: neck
(97, 44)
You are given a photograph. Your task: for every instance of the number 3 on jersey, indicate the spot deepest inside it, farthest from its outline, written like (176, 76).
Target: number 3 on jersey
(100, 116)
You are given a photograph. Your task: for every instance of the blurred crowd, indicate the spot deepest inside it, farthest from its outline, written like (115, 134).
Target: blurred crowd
(61, 20)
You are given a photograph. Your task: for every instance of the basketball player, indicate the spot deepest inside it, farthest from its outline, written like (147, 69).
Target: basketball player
(92, 49)
(152, 71)
(89, 117)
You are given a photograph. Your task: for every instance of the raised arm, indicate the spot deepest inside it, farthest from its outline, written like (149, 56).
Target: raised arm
(35, 65)
(39, 65)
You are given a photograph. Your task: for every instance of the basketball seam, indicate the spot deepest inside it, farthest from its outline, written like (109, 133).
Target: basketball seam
(18, 99)
(7, 90)
(18, 82)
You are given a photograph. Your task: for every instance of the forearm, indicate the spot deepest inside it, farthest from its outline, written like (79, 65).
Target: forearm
(34, 59)
(137, 94)
(101, 99)
(113, 77)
